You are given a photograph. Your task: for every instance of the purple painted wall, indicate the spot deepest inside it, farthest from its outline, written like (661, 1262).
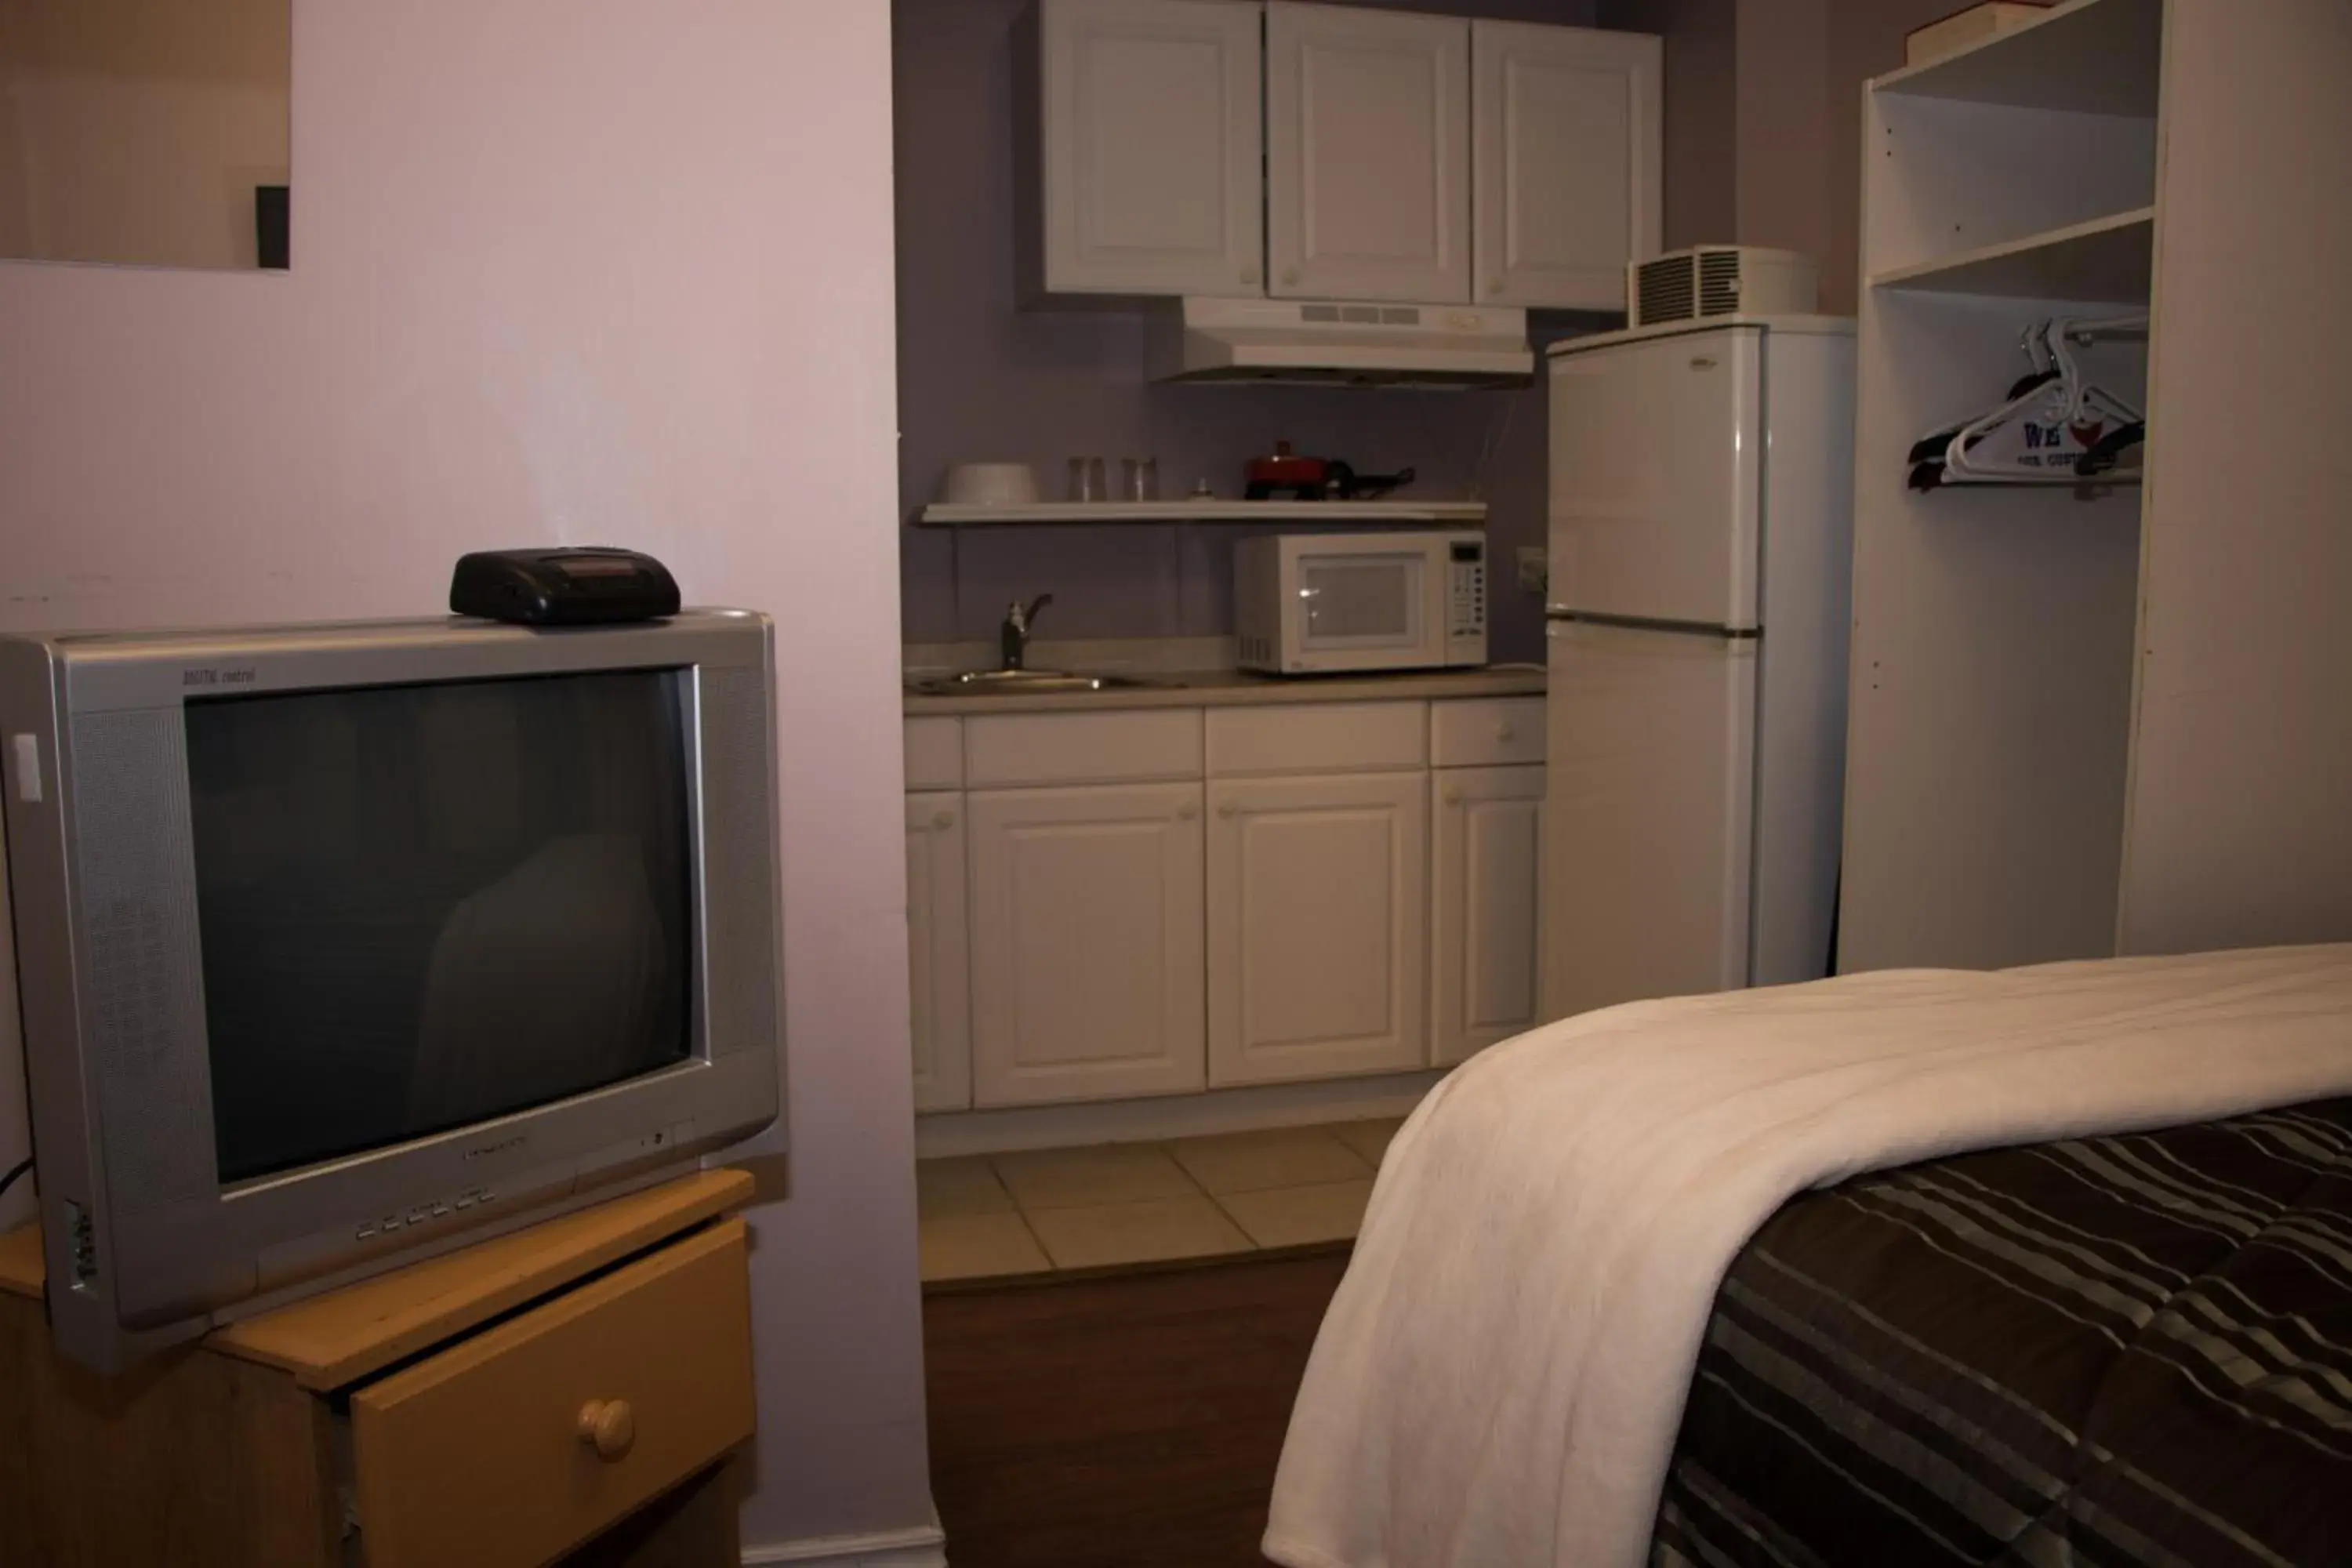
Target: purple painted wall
(1764, 118)
(1701, 112)
(981, 380)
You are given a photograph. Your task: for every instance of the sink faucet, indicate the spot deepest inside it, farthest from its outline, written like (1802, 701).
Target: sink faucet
(1014, 636)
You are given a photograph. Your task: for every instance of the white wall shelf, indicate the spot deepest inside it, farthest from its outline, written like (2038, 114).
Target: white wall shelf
(2108, 259)
(1423, 513)
(2089, 57)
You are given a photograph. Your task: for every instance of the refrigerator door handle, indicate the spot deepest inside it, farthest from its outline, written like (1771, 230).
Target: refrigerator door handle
(1650, 624)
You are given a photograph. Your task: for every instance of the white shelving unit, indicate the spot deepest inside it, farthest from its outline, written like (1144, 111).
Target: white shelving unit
(2094, 721)
(1411, 513)
(2089, 57)
(2107, 258)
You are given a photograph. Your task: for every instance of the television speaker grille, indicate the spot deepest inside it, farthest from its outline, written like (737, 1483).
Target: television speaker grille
(144, 988)
(736, 895)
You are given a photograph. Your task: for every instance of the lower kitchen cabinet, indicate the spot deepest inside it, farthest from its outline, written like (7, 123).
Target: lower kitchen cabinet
(939, 954)
(1486, 907)
(1317, 900)
(1086, 922)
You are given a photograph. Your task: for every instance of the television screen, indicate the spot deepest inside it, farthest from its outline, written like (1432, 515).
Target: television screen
(422, 906)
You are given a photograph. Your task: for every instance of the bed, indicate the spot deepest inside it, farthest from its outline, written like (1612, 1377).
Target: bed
(2129, 1349)
(2048, 1266)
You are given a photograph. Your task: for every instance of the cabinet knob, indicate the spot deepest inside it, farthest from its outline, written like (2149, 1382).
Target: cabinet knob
(1249, 274)
(1506, 731)
(1454, 794)
(1290, 274)
(1188, 811)
(943, 819)
(609, 1427)
(1494, 285)
(1228, 809)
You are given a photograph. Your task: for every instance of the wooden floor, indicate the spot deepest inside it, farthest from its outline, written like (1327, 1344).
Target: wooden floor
(1127, 1421)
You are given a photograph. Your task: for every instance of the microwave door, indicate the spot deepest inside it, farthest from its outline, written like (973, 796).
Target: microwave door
(1367, 609)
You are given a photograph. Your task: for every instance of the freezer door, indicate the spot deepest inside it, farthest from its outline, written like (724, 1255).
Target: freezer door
(1648, 814)
(1656, 458)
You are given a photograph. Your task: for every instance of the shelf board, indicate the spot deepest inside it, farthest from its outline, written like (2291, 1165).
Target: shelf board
(1426, 513)
(2106, 259)
(2089, 57)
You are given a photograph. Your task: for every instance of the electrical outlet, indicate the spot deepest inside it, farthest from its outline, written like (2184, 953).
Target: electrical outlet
(1535, 569)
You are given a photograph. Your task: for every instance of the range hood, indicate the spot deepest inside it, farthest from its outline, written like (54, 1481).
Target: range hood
(1344, 343)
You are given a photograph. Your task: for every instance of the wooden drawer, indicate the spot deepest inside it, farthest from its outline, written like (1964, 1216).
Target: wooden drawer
(478, 1454)
(934, 753)
(1082, 748)
(1318, 738)
(1486, 732)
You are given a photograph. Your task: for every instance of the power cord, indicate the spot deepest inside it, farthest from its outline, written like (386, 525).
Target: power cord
(14, 1171)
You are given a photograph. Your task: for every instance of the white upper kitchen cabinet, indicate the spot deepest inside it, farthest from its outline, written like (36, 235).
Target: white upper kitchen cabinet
(1141, 173)
(1368, 154)
(1565, 160)
(1318, 890)
(939, 961)
(1087, 924)
(1486, 909)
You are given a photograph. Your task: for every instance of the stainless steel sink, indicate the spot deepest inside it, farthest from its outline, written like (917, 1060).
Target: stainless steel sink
(1017, 682)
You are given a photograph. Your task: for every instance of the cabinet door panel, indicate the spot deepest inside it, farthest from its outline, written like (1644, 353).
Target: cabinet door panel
(1566, 148)
(1318, 942)
(939, 959)
(1485, 923)
(1151, 147)
(1086, 943)
(1368, 131)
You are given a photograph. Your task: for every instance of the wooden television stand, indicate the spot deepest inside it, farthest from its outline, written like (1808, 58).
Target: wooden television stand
(576, 1392)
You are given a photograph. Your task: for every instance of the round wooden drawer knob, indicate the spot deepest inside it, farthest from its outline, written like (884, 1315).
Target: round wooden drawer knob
(609, 1427)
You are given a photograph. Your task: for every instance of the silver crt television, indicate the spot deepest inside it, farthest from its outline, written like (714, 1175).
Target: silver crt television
(340, 945)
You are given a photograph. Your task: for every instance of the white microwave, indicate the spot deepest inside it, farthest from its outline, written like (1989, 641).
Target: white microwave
(1314, 603)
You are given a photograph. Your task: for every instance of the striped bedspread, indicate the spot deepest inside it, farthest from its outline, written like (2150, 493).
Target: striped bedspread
(1502, 1377)
(2103, 1351)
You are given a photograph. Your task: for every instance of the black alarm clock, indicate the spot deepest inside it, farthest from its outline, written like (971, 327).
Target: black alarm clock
(582, 586)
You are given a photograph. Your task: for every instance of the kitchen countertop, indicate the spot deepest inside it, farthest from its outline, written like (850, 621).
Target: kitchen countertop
(1237, 689)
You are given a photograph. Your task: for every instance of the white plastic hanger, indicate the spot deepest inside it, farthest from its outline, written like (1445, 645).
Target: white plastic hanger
(2057, 419)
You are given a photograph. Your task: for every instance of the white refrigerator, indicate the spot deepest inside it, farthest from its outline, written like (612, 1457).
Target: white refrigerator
(1700, 563)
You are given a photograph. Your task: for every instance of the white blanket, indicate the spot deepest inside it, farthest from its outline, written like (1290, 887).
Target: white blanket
(1500, 1377)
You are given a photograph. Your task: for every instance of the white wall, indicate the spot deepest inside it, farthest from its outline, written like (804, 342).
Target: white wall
(565, 270)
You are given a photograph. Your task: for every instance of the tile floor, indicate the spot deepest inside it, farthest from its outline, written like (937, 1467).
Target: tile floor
(986, 1217)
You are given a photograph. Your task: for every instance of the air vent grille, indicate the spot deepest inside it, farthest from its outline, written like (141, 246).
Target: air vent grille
(1710, 281)
(1665, 290)
(1719, 282)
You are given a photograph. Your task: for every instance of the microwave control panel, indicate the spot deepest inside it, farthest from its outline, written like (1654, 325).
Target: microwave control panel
(1467, 608)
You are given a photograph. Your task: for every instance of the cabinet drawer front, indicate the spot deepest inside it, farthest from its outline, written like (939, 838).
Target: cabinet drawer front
(1146, 130)
(1082, 748)
(477, 1456)
(938, 962)
(1485, 915)
(1317, 944)
(1368, 154)
(1320, 738)
(1565, 137)
(1087, 928)
(934, 753)
(1489, 733)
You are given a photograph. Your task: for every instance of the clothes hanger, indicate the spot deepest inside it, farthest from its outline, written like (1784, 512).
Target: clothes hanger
(2055, 428)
